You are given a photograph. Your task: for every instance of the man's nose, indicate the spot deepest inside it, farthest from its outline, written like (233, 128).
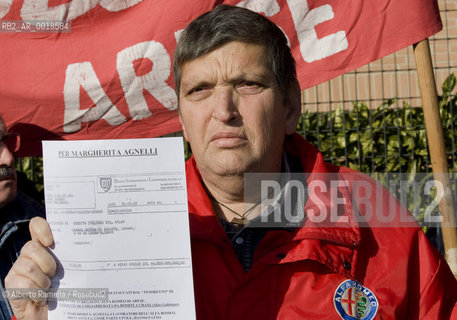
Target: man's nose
(225, 104)
(6, 156)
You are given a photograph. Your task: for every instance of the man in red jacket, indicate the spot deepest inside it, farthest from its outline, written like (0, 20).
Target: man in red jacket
(351, 253)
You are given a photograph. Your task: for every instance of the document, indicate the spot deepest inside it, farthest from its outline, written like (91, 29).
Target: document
(118, 213)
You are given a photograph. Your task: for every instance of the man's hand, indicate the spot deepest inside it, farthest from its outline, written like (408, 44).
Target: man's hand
(33, 270)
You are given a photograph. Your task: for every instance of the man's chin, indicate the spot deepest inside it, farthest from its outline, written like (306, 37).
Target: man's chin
(228, 162)
(232, 166)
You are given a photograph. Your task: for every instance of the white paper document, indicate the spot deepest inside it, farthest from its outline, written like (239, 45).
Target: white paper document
(118, 213)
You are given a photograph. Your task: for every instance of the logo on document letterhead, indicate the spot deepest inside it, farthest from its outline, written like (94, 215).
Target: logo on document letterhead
(354, 301)
(105, 184)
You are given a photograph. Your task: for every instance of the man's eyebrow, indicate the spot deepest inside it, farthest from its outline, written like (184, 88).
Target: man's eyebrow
(195, 84)
(262, 77)
(242, 75)
(254, 76)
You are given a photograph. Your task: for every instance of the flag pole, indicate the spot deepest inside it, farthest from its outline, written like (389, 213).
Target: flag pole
(438, 157)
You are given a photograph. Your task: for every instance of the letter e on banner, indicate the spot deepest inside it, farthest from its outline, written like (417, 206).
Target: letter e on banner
(83, 75)
(153, 82)
(305, 20)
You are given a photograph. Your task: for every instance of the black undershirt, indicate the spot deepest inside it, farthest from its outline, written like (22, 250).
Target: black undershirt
(245, 239)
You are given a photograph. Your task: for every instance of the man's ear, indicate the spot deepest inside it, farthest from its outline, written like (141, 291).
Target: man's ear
(293, 105)
(183, 127)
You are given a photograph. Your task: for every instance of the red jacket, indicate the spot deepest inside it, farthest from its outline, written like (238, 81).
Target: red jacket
(322, 270)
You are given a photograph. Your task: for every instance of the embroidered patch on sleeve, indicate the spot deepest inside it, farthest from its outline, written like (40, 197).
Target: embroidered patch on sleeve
(354, 301)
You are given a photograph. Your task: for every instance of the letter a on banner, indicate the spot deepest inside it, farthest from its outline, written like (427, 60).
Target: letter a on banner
(83, 75)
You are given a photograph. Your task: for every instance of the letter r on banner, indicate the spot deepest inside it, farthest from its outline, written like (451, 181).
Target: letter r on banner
(153, 82)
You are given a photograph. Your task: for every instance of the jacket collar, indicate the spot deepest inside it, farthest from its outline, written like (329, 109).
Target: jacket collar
(203, 222)
(330, 234)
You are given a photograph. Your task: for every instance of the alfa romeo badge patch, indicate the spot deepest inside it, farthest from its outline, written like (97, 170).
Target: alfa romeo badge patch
(354, 301)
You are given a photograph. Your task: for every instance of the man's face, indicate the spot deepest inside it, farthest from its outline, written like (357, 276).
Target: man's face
(232, 111)
(8, 181)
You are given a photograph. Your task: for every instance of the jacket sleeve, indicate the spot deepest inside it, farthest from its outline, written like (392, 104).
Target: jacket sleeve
(420, 275)
(438, 289)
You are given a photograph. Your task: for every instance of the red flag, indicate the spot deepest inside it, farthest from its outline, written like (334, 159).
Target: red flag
(85, 69)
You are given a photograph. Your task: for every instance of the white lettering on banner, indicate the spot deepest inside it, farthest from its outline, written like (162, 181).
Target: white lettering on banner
(5, 6)
(40, 10)
(153, 82)
(83, 75)
(270, 8)
(118, 5)
(178, 34)
(305, 20)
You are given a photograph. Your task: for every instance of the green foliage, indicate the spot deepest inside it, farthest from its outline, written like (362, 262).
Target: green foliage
(187, 150)
(385, 139)
(32, 167)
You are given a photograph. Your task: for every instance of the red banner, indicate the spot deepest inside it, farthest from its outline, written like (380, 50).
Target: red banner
(101, 69)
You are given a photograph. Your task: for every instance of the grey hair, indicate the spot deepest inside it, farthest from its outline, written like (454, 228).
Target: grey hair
(225, 24)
